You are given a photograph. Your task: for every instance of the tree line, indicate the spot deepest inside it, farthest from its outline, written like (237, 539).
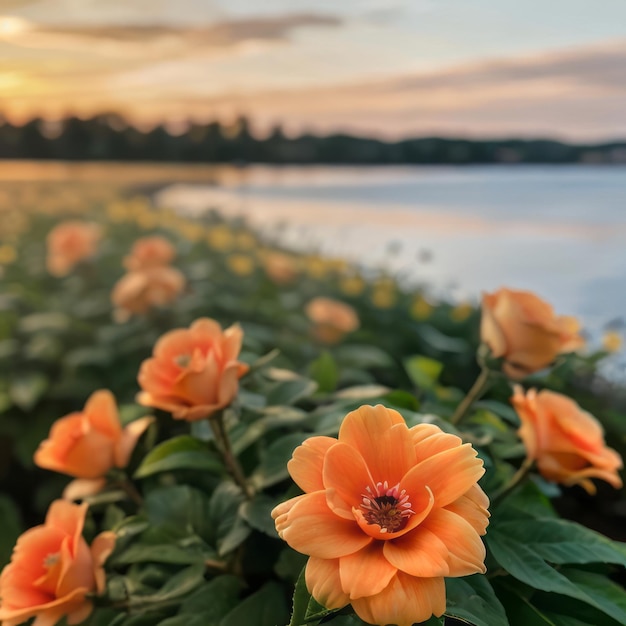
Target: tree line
(110, 138)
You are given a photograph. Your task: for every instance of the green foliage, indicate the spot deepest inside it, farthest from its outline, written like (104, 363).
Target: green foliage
(196, 543)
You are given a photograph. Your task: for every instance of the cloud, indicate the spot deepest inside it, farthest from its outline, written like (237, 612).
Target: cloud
(148, 39)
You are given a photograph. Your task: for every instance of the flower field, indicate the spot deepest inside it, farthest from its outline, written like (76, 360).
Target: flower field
(199, 428)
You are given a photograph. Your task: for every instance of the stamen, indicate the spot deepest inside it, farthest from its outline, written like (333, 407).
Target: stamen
(182, 360)
(388, 507)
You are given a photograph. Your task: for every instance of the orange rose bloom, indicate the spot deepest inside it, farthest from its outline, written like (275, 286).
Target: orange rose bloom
(68, 244)
(148, 252)
(88, 443)
(387, 513)
(193, 372)
(53, 568)
(522, 328)
(566, 442)
(138, 292)
(280, 267)
(332, 319)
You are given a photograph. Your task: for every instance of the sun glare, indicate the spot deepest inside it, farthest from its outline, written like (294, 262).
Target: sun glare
(11, 26)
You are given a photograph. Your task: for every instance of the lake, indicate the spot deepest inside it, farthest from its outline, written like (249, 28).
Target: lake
(559, 231)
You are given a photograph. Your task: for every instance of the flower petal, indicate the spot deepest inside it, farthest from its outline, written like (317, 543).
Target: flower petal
(383, 440)
(346, 473)
(418, 553)
(128, 441)
(101, 411)
(448, 474)
(366, 572)
(305, 466)
(472, 507)
(323, 583)
(404, 601)
(81, 488)
(312, 528)
(434, 443)
(466, 550)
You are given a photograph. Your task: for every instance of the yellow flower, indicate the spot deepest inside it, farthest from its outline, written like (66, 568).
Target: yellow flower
(245, 241)
(316, 267)
(383, 297)
(421, 309)
(352, 285)
(146, 221)
(240, 264)
(461, 312)
(117, 212)
(8, 254)
(612, 341)
(220, 238)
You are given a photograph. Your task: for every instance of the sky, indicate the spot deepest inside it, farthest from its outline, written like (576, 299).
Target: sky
(387, 68)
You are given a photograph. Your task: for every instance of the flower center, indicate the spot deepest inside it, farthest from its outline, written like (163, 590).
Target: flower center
(386, 506)
(51, 560)
(183, 360)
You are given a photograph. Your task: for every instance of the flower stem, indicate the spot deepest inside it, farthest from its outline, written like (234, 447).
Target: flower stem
(479, 387)
(125, 484)
(232, 464)
(517, 479)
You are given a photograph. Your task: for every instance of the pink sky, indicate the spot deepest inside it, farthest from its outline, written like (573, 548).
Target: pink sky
(387, 68)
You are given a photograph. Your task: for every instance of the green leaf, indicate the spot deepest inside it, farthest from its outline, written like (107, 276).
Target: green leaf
(257, 512)
(274, 417)
(362, 392)
(176, 587)
(164, 553)
(273, 466)
(423, 371)
(402, 399)
(324, 372)
(300, 602)
(27, 388)
(436, 340)
(214, 599)
(505, 411)
(229, 529)
(290, 391)
(266, 607)
(523, 563)
(183, 509)
(182, 452)
(363, 356)
(472, 599)
(563, 542)
(46, 322)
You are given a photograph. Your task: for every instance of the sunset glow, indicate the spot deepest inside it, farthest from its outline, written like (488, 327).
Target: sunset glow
(383, 68)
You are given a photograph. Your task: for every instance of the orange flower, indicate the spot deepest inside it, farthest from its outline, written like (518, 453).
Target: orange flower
(138, 292)
(522, 328)
(332, 319)
(280, 267)
(193, 372)
(387, 513)
(52, 569)
(566, 442)
(89, 443)
(68, 244)
(148, 252)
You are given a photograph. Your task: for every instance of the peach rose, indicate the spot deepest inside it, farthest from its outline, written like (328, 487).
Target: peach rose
(387, 512)
(523, 329)
(52, 569)
(89, 443)
(331, 319)
(193, 372)
(138, 292)
(148, 252)
(69, 243)
(566, 442)
(280, 267)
